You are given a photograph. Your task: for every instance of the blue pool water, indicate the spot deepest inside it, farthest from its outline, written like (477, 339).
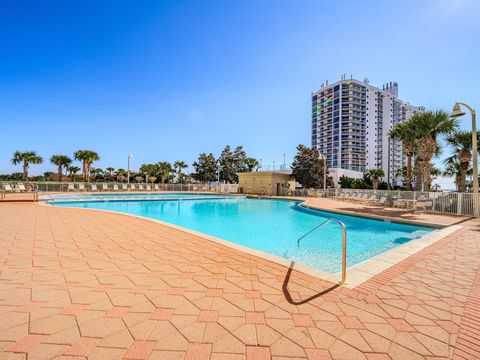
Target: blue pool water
(272, 226)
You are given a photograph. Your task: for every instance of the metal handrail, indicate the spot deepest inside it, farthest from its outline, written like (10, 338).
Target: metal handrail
(344, 244)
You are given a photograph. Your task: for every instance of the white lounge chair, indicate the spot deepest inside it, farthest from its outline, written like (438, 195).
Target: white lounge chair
(115, 187)
(8, 188)
(156, 187)
(124, 187)
(372, 199)
(22, 188)
(93, 187)
(132, 187)
(104, 187)
(148, 187)
(71, 187)
(81, 187)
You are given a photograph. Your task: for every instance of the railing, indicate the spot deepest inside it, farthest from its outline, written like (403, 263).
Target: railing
(285, 168)
(344, 243)
(15, 190)
(450, 203)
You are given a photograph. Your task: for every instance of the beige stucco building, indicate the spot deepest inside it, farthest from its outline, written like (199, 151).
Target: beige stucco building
(265, 183)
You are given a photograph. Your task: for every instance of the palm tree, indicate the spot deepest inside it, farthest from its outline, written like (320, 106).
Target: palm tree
(179, 166)
(375, 175)
(434, 173)
(96, 172)
(72, 170)
(87, 157)
(148, 170)
(26, 158)
(164, 170)
(62, 161)
(428, 126)
(461, 142)
(121, 175)
(252, 164)
(405, 133)
(110, 171)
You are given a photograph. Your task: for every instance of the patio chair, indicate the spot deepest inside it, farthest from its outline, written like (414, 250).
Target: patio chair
(8, 188)
(115, 187)
(156, 187)
(140, 187)
(21, 188)
(71, 187)
(353, 197)
(373, 199)
(383, 201)
(104, 187)
(148, 187)
(81, 187)
(132, 187)
(363, 198)
(124, 187)
(398, 202)
(93, 187)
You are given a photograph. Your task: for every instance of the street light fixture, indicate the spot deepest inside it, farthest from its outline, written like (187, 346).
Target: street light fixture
(457, 112)
(128, 167)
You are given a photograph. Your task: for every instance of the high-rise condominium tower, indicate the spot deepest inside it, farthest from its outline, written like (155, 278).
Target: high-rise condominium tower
(350, 123)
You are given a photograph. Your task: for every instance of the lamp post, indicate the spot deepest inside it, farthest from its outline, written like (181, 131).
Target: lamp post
(284, 164)
(128, 167)
(324, 170)
(218, 172)
(456, 112)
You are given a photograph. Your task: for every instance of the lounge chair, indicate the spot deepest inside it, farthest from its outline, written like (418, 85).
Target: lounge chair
(353, 197)
(140, 187)
(132, 187)
(21, 188)
(71, 187)
(81, 187)
(8, 188)
(372, 199)
(93, 187)
(104, 187)
(156, 187)
(115, 187)
(362, 197)
(148, 187)
(124, 187)
(383, 201)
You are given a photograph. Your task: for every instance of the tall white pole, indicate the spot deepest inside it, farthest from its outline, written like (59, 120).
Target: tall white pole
(475, 152)
(128, 168)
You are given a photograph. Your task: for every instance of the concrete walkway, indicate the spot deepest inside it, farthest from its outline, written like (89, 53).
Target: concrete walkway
(78, 284)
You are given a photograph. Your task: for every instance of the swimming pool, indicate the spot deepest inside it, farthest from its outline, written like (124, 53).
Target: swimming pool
(271, 226)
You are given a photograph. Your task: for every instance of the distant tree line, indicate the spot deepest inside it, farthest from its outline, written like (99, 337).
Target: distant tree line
(206, 169)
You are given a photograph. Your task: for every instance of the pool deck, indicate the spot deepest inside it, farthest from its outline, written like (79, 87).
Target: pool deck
(85, 284)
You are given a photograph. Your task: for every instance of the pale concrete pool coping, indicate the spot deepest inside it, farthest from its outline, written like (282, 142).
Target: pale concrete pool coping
(356, 274)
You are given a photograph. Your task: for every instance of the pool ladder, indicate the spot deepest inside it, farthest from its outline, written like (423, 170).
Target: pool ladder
(344, 244)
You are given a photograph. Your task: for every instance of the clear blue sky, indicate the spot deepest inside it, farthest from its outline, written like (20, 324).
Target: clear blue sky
(167, 80)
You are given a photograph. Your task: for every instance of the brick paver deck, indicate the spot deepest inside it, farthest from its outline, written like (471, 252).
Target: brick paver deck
(78, 284)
